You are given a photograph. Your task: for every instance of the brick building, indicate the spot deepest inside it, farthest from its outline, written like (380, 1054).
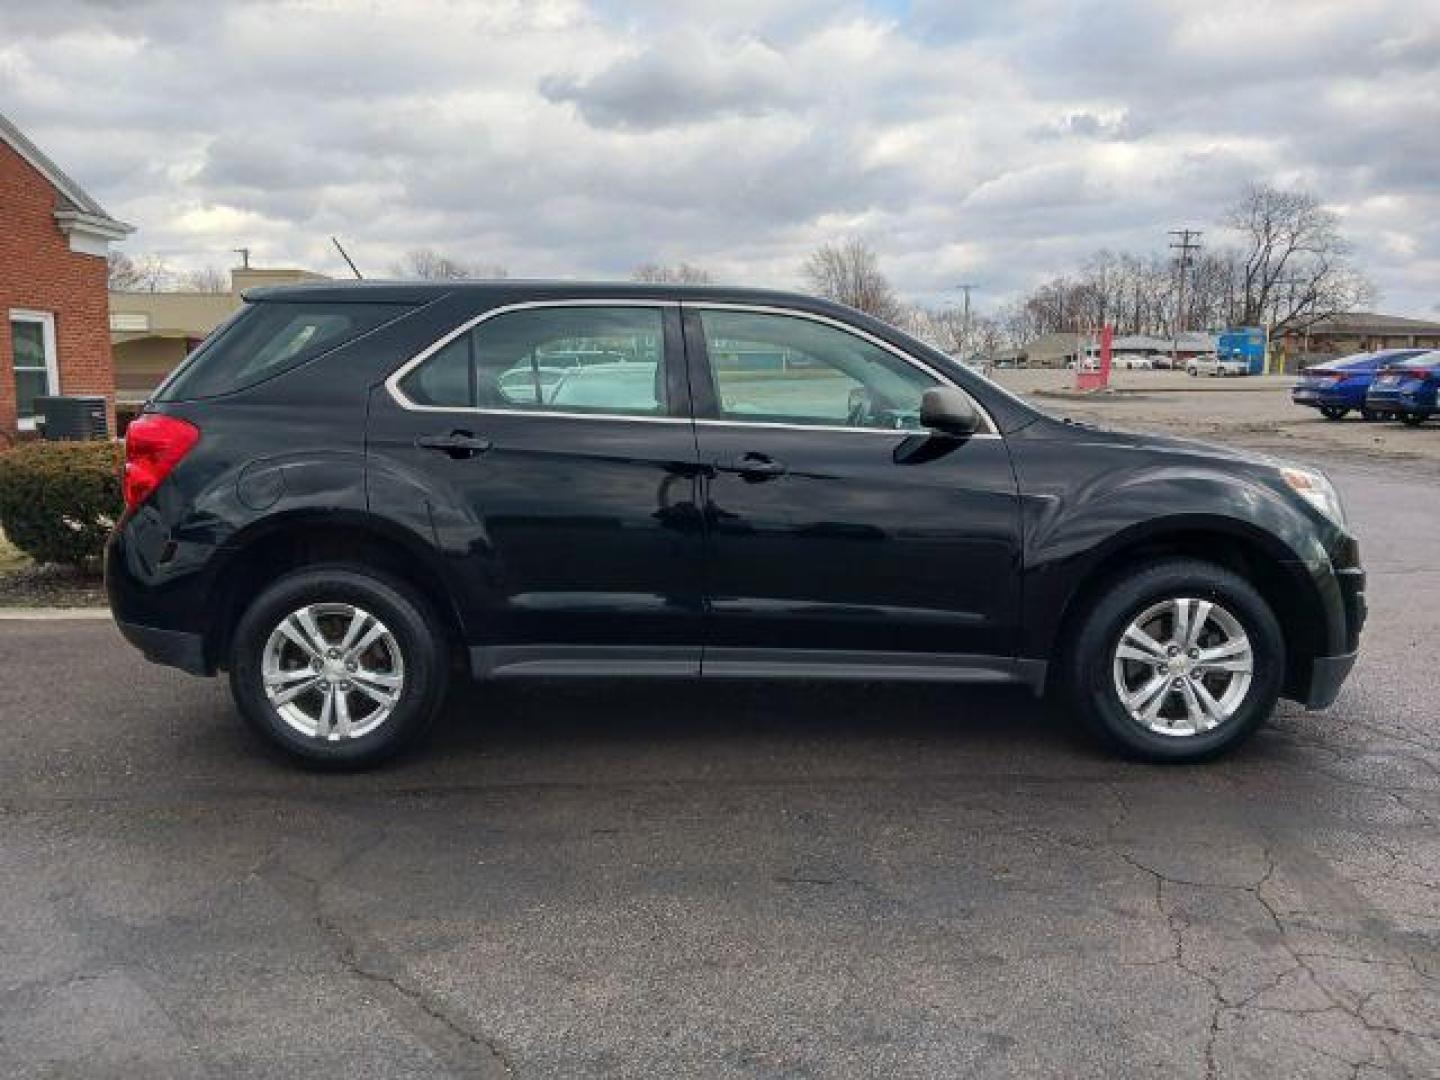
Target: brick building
(54, 319)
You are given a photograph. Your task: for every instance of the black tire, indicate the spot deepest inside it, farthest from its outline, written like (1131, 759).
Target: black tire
(1411, 419)
(1087, 681)
(1370, 415)
(422, 644)
(1333, 412)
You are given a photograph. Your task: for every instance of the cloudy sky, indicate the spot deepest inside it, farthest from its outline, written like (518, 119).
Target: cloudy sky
(995, 143)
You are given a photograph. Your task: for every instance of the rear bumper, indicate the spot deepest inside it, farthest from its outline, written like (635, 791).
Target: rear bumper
(1316, 399)
(173, 648)
(1400, 402)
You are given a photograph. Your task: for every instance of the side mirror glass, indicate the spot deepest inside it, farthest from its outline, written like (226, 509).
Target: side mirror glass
(948, 411)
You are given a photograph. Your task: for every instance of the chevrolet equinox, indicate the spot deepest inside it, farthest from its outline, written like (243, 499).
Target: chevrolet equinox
(352, 492)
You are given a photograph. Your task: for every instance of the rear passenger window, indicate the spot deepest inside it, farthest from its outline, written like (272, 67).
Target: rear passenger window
(577, 359)
(267, 338)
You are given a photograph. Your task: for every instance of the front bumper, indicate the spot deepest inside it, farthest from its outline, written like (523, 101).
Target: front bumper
(1327, 675)
(1317, 684)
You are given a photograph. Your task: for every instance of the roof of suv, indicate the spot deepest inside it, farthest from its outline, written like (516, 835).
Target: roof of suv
(419, 292)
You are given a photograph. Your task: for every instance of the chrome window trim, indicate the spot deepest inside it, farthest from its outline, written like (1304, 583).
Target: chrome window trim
(828, 428)
(392, 383)
(992, 430)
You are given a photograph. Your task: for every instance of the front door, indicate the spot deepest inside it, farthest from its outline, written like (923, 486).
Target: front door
(839, 532)
(556, 454)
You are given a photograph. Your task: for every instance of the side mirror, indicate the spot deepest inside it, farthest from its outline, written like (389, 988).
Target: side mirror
(948, 411)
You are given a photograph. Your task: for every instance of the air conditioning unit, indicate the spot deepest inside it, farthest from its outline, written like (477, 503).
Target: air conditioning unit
(72, 417)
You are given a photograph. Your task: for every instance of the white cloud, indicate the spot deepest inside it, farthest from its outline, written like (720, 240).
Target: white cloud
(989, 143)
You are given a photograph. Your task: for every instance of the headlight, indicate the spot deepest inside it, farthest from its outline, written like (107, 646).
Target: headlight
(1315, 488)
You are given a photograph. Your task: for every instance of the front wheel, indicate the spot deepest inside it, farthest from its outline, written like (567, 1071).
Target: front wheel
(1179, 662)
(339, 667)
(1333, 412)
(1413, 419)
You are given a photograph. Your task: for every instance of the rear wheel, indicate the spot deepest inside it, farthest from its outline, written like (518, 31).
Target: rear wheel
(1179, 662)
(1333, 412)
(339, 667)
(1413, 419)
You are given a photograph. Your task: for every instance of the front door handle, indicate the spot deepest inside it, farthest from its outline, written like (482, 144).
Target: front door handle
(456, 444)
(752, 466)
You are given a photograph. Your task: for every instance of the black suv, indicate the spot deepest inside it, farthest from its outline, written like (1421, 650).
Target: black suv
(351, 491)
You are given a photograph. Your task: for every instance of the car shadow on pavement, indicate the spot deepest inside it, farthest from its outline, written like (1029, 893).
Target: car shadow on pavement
(730, 717)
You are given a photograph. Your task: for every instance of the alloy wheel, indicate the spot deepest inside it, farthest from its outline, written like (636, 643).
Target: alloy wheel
(1183, 666)
(333, 671)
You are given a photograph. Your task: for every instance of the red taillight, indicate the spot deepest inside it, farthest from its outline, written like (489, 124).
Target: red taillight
(154, 445)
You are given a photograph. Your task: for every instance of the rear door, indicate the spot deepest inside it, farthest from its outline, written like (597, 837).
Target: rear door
(549, 450)
(840, 532)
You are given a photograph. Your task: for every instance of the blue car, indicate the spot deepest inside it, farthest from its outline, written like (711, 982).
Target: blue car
(1337, 387)
(1407, 389)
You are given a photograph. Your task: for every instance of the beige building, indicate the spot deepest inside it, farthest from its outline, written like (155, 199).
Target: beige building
(151, 332)
(1356, 331)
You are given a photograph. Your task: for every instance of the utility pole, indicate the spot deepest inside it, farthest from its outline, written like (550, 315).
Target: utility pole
(244, 254)
(965, 319)
(1189, 241)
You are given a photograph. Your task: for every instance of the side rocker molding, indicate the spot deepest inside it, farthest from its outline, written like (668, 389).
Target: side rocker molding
(626, 661)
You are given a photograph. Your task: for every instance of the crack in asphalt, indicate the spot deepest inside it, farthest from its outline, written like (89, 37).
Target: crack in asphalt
(1223, 1006)
(307, 893)
(1358, 1010)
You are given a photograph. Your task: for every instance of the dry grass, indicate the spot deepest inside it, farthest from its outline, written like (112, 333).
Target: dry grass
(10, 557)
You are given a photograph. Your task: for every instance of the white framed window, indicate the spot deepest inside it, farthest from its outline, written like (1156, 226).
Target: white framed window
(32, 355)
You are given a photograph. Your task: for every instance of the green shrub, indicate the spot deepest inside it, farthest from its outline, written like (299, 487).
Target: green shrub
(59, 500)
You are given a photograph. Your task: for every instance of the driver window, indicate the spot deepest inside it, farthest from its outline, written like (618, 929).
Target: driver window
(784, 369)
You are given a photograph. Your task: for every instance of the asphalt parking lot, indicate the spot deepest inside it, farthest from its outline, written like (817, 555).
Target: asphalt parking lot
(673, 881)
(1255, 411)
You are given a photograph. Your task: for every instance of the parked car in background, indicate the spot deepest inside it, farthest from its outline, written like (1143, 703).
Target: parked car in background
(1210, 364)
(1407, 389)
(1132, 362)
(1338, 387)
(348, 496)
(1088, 363)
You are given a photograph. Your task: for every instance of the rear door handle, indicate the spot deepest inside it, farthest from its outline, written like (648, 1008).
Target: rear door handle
(457, 444)
(752, 466)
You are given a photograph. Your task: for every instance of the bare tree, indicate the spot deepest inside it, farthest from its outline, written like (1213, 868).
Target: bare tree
(432, 265)
(850, 273)
(205, 280)
(682, 273)
(1294, 266)
(145, 273)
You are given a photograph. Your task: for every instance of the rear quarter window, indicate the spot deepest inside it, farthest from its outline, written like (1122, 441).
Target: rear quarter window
(268, 338)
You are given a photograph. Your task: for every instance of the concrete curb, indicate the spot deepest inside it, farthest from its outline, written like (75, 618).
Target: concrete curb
(51, 614)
